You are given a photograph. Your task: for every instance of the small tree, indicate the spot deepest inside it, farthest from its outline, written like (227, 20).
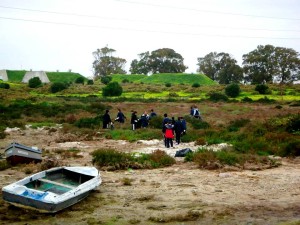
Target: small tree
(79, 80)
(232, 90)
(57, 86)
(106, 79)
(34, 82)
(4, 85)
(112, 89)
(261, 89)
(90, 82)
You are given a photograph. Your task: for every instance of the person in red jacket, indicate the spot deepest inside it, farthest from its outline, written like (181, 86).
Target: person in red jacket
(169, 134)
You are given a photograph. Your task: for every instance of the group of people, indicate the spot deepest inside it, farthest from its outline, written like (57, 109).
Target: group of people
(135, 121)
(173, 128)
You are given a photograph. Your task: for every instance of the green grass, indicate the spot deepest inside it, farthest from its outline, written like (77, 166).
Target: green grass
(15, 75)
(63, 76)
(162, 78)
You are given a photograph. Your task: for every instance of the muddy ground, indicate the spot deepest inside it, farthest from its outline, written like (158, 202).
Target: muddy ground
(180, 194)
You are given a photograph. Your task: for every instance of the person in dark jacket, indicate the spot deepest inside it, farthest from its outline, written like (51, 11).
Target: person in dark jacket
(106, 120)
(144, 120)
(164, 122)
(134, 120)
(120, 116)
(179, 129)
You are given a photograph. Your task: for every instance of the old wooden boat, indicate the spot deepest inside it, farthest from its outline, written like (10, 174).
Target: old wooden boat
(16, 153)
(53, 190)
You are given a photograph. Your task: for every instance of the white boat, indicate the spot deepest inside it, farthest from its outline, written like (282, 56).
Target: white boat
(52, 190)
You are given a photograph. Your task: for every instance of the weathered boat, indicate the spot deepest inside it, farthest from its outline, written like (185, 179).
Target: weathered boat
(16, 153)
(52, 190)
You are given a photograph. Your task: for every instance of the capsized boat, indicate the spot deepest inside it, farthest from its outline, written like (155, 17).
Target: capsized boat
(53, 190)
(17, 153)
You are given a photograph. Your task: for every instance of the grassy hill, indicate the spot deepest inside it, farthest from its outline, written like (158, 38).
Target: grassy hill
(162, 78)
(17, 76)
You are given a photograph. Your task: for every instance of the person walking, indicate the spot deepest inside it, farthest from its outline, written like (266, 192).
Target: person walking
(144, 120)
(134, 120)
(164, 122)
(152, 114)
(106, 120)
(179, 129)
(169, 134)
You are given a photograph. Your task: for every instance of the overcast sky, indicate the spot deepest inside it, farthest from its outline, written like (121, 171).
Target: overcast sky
(53, 35)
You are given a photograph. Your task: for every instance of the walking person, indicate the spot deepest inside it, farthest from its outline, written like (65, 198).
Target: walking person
(169, 134)
(144, 120)
(179, 129)
(152, 114)
(106, 120)
(134, 120)
(164, 122)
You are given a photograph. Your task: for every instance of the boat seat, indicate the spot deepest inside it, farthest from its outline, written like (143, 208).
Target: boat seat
(56, 183)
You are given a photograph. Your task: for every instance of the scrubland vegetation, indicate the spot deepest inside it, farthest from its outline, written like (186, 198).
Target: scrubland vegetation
(255, 125)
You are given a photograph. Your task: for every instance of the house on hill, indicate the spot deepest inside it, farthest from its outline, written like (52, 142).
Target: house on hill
(40, 74)
(3, 75)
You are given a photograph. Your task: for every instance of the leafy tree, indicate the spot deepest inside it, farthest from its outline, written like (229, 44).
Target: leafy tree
(140, 66)
(232, 90)
(58, 86)
(261, 88)
(220, 67)
(106, 64)
(268, 63)
(163, 60)
(79, 80)
(90, 82)
(112, 89)
(209, 65)
(34, 82)
(106, 79)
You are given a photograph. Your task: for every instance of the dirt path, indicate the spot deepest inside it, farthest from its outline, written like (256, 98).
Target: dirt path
(181, 194)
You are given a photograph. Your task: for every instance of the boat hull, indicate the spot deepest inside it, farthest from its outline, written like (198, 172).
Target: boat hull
(44, 207)
(16, 153)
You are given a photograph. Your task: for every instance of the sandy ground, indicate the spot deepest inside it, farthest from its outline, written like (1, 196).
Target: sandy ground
(181, 194)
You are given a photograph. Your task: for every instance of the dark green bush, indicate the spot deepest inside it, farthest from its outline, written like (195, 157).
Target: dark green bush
(79, 80)
(88, 122)
(34, 82)
(4, 85)
(293, 125)
(292, 149)
(58, 86)
(125, 81)
(168, 84)
(156, 122)
(217, 96)
(233, 90)
(112, 89)
(90, 82)
(105, 79)
(247, 99)
(195, 85)
(266, 100)
(261, 88)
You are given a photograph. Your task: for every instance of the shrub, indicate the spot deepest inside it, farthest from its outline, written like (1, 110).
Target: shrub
(88, 122)
(79, 80)
(125, 81)
(34, 82)
(266, 100)
(199, 124)
(261, 88)
(4, 85)
(105, 79)
(112, 89)
(90, 82)
(292, 149)
(293, 125)
(217, 96)
(195, 85)
(168, 84)
(237, 124)
(233, 90)
(4, 165)
(57, 86)
(247, 99)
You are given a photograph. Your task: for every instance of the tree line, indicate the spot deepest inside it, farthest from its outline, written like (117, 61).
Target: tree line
(265, 64)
